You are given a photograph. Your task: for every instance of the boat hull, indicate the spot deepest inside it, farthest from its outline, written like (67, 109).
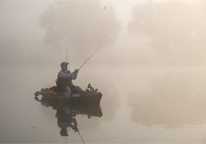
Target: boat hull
(83, 98)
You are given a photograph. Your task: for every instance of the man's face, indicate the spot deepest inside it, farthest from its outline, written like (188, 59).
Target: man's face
(65, 67)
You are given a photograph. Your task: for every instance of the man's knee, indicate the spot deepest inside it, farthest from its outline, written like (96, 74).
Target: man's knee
(67, 89)
(78, 88)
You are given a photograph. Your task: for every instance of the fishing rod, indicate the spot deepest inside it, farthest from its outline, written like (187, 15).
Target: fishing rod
(90, 56)
(67, 48)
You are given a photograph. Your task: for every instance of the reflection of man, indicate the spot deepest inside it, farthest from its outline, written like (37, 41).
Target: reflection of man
(66, 120)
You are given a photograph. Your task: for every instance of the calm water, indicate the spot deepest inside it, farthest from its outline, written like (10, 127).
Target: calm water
(138, 106)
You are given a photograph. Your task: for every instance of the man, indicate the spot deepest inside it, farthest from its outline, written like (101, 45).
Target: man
(64, 80)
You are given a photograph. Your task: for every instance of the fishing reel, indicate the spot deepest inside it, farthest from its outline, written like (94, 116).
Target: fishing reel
(90, 88)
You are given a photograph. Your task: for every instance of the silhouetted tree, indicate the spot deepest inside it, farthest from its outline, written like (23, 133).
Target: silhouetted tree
(87, 24)
(176, 31)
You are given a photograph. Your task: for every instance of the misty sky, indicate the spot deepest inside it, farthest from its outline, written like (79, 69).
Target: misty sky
(20, 23)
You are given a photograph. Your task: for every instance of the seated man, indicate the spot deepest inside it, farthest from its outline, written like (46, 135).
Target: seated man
(64, 80)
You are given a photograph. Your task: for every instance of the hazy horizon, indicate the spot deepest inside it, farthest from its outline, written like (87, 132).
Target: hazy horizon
(23, 38)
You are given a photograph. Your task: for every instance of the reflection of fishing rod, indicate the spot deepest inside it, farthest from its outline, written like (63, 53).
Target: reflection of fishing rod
(90, 56)
(81, 137)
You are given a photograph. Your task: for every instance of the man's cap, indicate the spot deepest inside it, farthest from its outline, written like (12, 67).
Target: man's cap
(63, 64)
(63, 132)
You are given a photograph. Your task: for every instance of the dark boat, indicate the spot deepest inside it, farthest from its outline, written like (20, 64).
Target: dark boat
(78, 109)
(84, 98)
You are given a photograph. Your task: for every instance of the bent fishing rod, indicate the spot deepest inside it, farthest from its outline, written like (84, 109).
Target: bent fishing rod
(90, 56)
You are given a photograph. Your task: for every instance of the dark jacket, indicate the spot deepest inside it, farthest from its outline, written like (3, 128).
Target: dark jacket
(63, 82)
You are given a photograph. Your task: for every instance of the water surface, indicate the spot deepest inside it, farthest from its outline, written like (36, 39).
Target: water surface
(138, 106)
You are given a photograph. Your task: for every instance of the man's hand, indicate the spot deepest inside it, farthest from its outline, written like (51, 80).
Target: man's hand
(76, 71)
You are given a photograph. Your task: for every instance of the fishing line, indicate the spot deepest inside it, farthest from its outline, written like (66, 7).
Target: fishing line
(67, 48)
(68, 136)
(68, 54)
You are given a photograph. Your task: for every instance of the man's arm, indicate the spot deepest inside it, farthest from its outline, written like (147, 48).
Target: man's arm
(75, 74)
(64, 75)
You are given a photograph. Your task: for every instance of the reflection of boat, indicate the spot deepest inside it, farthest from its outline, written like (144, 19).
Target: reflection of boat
(86, 98)
(89, 110)
(66, 114)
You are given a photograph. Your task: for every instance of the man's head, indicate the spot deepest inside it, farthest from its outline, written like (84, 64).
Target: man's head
(63, 132)
(63, 65)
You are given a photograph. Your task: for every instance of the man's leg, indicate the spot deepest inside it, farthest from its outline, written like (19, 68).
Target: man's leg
(67, 89)
(77, 88)
(67, 94)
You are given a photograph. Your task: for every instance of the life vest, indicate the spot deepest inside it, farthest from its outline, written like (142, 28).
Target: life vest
(63, 82)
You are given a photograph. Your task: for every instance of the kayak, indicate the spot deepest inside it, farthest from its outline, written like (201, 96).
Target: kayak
(83, 98)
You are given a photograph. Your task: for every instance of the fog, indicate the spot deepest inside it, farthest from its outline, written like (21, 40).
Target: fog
(140, 34)
(150, 66)
(175, 32)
